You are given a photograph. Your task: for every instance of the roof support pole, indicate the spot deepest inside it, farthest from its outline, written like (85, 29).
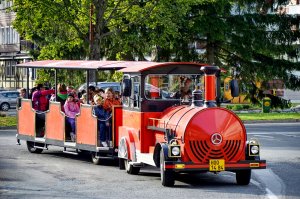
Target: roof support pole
(27, 79)
(87, 86)
(55, 83)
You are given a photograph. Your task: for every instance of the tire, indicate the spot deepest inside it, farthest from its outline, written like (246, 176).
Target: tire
(32, 149)
(95, 160)
(4, 106)
(130, 168)
(121, 164)
(167, 176)
(243, 177)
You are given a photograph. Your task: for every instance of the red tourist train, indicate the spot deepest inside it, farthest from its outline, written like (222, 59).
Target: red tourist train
(155, 125)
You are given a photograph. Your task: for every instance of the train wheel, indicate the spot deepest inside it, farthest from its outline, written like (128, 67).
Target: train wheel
(166, 176)
(243, 177)
(95, 159)
(32, 149)
(121, 164)
(130, 168)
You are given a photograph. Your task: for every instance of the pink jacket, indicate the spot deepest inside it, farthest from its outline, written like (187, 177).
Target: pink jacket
(71, 109)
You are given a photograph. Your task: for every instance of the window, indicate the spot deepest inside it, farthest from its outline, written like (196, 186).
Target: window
(9, 68)
(170, 87)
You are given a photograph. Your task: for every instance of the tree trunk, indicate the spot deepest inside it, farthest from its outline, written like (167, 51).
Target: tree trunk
(210, 51)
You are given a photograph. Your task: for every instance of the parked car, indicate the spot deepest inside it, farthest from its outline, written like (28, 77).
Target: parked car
(8, 99)
(116, 86)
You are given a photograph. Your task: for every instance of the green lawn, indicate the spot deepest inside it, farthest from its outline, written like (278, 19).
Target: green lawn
(268, 116)
(8, 121)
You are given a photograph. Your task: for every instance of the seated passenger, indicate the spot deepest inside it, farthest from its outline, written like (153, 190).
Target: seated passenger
(71, 109)
(185, 92)
(102, 116)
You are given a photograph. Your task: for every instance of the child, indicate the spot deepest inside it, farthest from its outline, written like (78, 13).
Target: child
(102, 116)
(71, 109)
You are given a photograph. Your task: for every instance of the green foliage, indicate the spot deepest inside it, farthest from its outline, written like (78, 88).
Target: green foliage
(245, 34)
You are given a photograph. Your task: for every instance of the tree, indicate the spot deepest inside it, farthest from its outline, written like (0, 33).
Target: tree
(253, 36)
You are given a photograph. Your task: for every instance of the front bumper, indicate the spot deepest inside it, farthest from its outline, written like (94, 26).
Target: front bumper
(229, 166)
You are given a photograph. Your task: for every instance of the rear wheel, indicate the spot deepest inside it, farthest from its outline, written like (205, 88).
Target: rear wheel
(243, 177)
(130, 168)
(32, 149)
(5, 107)
(166, 175)
(121, 164)
(95, 159)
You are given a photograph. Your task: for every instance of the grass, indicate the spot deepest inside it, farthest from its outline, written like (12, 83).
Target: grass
(268, 116)
(8, 121)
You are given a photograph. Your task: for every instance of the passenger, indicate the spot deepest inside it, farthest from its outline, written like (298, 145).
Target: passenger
(23, 93)
(71, 109)
(110, 100)
(185, 91)
(83, 99)
(62, 95)
(40, 105)
(39, 98)
(71, 89)
(91, 94)
(102, 116)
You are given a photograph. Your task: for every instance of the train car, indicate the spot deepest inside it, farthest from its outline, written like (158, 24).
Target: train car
(165, 120)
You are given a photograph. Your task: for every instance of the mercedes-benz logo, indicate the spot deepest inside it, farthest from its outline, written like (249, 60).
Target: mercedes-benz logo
(216, 138)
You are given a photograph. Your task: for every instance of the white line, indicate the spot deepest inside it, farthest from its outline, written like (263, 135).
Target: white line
(278, 133)
(270, 194)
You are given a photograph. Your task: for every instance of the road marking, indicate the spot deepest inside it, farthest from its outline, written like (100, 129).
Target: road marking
(274, 186)
(272, 133)
(270, 194)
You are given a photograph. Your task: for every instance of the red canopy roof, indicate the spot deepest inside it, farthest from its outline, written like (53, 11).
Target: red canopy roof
(74, 64)
(125, 66)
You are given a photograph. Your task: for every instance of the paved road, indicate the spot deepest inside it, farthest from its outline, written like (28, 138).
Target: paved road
(53, 174)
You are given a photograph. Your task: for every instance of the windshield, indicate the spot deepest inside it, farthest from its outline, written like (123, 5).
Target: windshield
(170, 86)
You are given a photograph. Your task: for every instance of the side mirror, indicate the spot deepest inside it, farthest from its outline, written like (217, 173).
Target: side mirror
(126, 87)
(234, 87)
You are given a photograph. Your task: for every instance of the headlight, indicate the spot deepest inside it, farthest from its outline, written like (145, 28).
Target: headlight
(254, 150)
(175, 150)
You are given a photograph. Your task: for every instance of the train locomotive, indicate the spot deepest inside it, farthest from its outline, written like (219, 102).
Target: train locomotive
(153, 126)
(197, 136)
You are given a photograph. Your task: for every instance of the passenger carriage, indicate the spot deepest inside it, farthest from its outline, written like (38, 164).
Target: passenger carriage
(152, 127)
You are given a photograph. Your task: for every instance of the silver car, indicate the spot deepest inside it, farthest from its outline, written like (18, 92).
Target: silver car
(8, 99)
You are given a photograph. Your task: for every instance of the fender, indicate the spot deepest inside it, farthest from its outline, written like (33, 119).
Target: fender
(156, 154)
(127, 148)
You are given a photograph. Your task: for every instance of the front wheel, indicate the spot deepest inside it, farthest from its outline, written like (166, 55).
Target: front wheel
(243, 177)
(166, 175)
(95, 159)
(32, 149)
(130, 168)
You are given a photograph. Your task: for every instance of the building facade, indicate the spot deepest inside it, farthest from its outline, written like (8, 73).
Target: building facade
(13, 50)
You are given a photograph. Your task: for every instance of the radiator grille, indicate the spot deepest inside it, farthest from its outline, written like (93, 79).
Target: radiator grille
(203, 152)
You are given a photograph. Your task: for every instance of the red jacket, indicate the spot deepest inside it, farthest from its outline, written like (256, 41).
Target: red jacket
(40, 101)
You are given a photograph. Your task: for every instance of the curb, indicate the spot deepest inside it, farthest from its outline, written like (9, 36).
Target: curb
(271, 121)
(8, 127)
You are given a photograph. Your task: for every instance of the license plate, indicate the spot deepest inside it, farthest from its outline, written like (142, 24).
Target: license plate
(216, 165)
